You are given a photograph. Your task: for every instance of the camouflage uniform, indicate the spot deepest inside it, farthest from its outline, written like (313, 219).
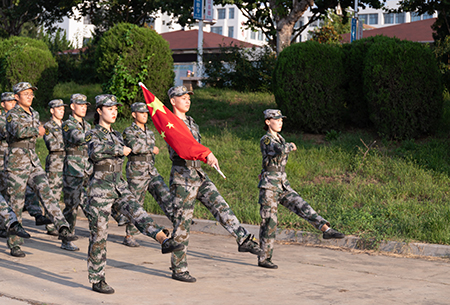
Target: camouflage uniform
(7, 215)
(189, 182)
(142, 174)
(3, 147)
(23, 167)
(275, 188)
(77, 167)
(108, 190)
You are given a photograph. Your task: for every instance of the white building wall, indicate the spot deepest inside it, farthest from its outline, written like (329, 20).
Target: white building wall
(77, 31)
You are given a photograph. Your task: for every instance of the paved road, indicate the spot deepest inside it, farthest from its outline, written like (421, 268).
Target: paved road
(306, 275)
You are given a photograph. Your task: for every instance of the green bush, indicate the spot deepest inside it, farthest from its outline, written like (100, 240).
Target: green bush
(358, 112)
(245, 70)
(404, 89)
(128, 54)
(27, 63)
(307, 84)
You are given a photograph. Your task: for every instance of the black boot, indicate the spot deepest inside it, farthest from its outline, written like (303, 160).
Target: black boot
(65, 235)
(42, 220)
(17, 229)
(170, 245)
(102, 287)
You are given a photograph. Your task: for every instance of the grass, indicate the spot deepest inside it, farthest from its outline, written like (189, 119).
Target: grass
(391, 190)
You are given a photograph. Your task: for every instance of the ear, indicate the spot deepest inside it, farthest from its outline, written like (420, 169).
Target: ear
(267, 121)
(16, 96)
(52, 111)
(133, 114)
(172, 101)
(72, 106)
(99, 111)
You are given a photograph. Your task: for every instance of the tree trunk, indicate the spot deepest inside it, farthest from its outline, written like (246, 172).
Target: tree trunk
(284, 33)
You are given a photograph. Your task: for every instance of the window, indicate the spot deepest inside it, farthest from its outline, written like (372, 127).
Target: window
(260, 35)
(220, 13)
(87, 19)
(230, 31)
(231, 13)
(400, 18)
(415, 17)
(389, 18)
(252, 35)
(373, 18)
(299, 23)
(216, 29)
(363, 18)
(427, 16)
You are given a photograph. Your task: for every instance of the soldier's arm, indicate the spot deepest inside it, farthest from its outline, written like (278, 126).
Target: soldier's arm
(132, 142)
(99, 149)
(74, 136)
(50, 139)
(20, 129)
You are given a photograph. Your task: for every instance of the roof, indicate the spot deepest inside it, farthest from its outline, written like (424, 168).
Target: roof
(419, 31)
(188, 40)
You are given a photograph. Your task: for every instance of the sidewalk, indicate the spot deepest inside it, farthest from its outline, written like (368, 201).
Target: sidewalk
(306, 275)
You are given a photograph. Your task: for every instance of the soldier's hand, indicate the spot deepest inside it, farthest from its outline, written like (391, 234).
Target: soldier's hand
(41, 131)
(211, 160)
(126, 150)
(155, 150)
(294, 146)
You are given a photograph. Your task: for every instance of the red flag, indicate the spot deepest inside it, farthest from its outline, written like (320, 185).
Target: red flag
(173, 130)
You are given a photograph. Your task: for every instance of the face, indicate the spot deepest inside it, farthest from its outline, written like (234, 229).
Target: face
(181, 103)
(140, 117)
(25, 98)
(79, 110)
(58, 112)
(108, 114)
(275, 124)
(8, 105)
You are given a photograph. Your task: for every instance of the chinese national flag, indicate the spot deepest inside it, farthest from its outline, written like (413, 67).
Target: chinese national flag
(174, 130)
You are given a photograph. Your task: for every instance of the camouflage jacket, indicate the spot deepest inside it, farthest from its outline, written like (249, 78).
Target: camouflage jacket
(105, 147)
(141, 143)
(54, 141)
(184, 175)
(3, 142)
(275, 152)
(74, 140)
(24, 127)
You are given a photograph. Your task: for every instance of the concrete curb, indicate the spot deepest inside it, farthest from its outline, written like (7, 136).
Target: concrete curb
(315, 239)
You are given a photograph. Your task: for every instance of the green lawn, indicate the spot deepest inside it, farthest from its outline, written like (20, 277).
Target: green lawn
(393, 191)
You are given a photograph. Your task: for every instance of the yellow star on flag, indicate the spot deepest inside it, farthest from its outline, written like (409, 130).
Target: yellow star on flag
(156, 105)
(163, 134)
(169, 125)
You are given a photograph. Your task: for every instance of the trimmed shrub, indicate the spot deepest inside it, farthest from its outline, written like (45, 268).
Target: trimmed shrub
(26, 63)
(307, 84)
(245, 70)
(403, 88)
(128, 54)
(10, 43)
(358, 112)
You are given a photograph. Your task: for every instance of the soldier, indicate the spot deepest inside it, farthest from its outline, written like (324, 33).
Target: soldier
(13, 227)
(189, 182)
(108, 190)
(23, 167)
(142, 174)
(77, 167)
(274, 188)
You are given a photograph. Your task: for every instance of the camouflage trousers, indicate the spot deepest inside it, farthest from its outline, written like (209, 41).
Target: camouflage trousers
(3, 193)
(35, 177)
(158, 189)
(98, 211)
(269, 201)
(74, 196)
(183, 202)
(7, 216)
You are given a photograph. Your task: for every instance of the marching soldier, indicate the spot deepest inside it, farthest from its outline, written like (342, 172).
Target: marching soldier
(22, 165)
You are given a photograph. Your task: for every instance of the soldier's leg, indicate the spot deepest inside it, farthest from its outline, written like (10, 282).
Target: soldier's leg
(184, 199)
(55, 180)
(16, 186)
(268, 201)
(3, 233)
(160, 191)
(137, 187)
(6, 213)
(292, 200)
(74, 194)
(39, 183)
(32, 203)
(210, 197)
(98, 210)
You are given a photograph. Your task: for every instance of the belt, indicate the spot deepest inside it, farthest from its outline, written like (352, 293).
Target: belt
(188, 163)
(116, 168)
(27, 145)
(275, 169)
(77, 153)
(58, 153)
(142, 157)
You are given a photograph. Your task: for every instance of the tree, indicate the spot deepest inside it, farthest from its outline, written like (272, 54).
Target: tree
(332, 29)
(14, 14)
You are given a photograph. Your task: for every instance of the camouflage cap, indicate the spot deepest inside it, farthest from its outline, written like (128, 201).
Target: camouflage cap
(56, 103)
(106, 100)
(7, 96)
(23, 86)
(79, 99)
(178, 91)
(273, 114)
(139, 107)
